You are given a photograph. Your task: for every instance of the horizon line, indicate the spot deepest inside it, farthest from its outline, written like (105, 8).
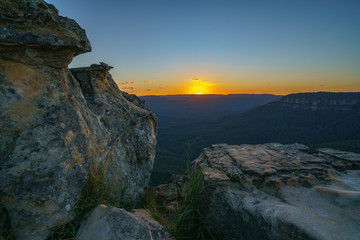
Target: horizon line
(221, 94)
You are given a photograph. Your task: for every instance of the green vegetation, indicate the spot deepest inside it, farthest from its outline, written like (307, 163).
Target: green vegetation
(349, 145)
(233, 177)
(187, 149)
(187, 222)
(157, 207)
(96, 191)
(272, 122)
(6, 233)
(166, 163)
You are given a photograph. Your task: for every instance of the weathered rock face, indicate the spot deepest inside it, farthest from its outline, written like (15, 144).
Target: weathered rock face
(275, 191)
(53, 126)
(31, 32)
(110, 223)
(126, 147)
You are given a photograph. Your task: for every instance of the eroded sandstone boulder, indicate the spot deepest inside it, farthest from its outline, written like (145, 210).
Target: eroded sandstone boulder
(32, 32)
(127, 146)
(54, 127)
(275, 191)
(111, 223)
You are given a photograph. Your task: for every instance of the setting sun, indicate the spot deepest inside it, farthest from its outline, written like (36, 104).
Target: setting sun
(199, 87)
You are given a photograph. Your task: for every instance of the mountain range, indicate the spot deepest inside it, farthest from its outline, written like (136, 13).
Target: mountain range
(320, 119)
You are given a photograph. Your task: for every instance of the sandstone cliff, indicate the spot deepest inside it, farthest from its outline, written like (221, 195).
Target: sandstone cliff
(322, 101)
(55, 125)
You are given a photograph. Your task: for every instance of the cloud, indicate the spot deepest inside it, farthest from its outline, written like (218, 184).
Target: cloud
(127, 82)
(147, 82)
(160, 88)
(128, 88)
(147, 90)
(208, 84)
(200, 82)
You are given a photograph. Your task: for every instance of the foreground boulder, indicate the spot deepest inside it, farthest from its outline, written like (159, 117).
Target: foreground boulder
(279, 192)
(55, 127)
(110, 223)
(126, 148)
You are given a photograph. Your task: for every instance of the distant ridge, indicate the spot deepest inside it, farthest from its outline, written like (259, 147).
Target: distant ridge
(205, 107)
(322, 101)
(322, 119)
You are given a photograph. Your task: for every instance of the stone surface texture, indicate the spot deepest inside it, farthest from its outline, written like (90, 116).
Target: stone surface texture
(55, 125)
(275, 191)
(110, 223)
(32, 32)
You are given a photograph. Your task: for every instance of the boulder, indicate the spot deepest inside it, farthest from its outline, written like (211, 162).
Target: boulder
(54, 127)
(128, 143)
(275, 191)
(32, 32)
(110, 223)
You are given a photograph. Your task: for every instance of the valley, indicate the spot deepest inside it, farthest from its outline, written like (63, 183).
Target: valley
(316, 119)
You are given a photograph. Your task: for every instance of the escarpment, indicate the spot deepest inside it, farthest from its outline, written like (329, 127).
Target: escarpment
(58, 125)
(330, 101)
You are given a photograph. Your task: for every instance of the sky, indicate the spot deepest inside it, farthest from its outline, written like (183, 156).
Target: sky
(160, 47)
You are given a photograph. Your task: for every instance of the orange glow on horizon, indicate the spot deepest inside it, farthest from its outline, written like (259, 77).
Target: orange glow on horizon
(199, 87)
(213, 83)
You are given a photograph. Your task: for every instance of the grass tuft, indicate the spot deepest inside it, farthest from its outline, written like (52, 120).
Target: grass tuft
(156, 206)
(96, 191)
(233, 177)
(6, 233)
(187, 222)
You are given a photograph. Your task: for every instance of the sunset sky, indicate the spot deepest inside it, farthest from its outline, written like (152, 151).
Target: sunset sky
(185, 47)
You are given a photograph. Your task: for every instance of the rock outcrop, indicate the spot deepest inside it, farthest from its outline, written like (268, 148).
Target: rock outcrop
(275, 191)
(33, 33)
(54, 127)
(110, 223)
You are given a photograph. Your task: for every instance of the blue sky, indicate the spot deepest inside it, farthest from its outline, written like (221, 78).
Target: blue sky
(239, 46)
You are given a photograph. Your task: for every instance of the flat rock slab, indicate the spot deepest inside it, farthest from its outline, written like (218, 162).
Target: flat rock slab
(111, 223)
(275, 191)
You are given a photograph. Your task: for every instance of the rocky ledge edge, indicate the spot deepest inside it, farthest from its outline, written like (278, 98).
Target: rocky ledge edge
(273, 191)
